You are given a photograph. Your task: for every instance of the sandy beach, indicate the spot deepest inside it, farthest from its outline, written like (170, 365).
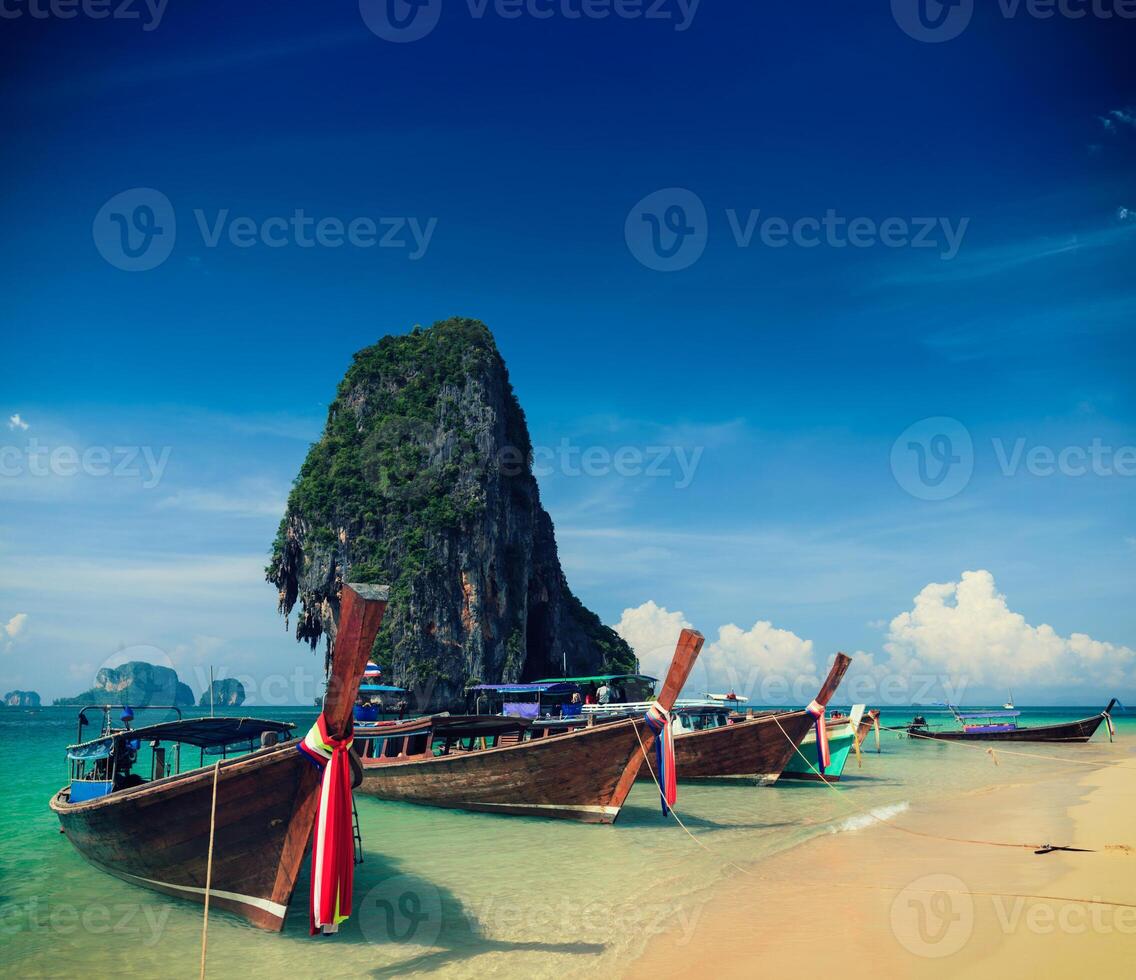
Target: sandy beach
(899, 899)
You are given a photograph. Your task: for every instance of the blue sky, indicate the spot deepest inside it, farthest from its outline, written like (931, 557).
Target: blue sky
(529, 149)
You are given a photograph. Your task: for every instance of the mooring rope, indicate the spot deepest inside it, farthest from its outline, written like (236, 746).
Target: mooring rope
(209, 866)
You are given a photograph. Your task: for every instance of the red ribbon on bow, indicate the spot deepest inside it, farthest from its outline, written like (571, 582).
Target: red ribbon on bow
(333, 846)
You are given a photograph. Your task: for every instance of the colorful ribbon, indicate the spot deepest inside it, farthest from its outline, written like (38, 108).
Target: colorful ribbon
(333, 846)
(658, 720)
(1111, 727)
(824, 758)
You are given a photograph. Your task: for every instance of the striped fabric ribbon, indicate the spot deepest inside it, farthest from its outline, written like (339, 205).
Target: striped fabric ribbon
(658, 720)
(824, 757)
(1111, 726)
(333, 848)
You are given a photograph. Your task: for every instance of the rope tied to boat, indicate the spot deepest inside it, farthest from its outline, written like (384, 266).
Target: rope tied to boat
(824, 756)
(333, 844)
(658, 720)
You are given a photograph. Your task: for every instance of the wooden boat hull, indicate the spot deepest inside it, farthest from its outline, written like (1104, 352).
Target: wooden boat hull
(755, 750)
(1071, 731)
(572, 776)
(582, 775)
(157, 835)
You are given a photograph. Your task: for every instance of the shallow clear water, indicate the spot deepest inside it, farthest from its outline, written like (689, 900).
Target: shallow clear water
(465, 893)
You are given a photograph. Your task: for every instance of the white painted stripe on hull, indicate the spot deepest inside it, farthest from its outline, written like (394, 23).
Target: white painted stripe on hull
(610, 811)
(260, 903)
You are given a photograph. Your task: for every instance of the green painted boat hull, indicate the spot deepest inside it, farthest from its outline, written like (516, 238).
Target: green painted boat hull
(839, 747)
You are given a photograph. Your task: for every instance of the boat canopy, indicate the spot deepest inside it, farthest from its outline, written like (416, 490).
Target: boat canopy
(206, 733)
(598, 679)
(381, 689)
(540, 687)
(987, 714)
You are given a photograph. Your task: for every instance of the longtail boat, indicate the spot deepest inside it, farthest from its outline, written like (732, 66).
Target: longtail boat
(155, 832)
(843, 736)
(713, 743)
(869, 721)
(508, 765)
(1002, 726)
(753, 747)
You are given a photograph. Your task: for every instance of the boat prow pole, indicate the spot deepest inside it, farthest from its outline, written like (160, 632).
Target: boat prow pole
(835, 675)
(682, 663)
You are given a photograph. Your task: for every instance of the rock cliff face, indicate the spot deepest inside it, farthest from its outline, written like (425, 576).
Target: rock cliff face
(135, 683)
(22, 699)
(423, 480)
(227, 693)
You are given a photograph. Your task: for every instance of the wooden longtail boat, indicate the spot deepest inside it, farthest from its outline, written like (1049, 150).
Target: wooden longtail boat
(156, 833)
(842, 733)
(754, 748)
(870, 720)
(496, 765)
(1002, 726)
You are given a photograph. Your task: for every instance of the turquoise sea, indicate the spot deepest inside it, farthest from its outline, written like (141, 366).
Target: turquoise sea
(463, 894)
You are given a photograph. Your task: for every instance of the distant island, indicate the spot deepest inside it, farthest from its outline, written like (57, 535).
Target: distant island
(227, 693)
(22, 699)
(135, 683)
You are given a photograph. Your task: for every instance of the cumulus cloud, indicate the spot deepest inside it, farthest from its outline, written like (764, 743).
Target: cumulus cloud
(958, 638)
(775, 662)
(16, 422)
(966, 629)
(13, 628)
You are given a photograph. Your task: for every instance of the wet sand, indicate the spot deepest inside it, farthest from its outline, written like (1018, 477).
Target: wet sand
(907, 902)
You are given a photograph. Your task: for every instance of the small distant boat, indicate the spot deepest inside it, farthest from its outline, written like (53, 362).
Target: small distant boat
(511, 764)
(843, 732)
(730, 698)
(1009, 705)
(154, 830)
(1002, 726)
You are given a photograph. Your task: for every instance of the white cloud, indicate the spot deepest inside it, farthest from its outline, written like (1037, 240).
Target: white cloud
(966, 630)
(15, 625)
(1116, 119)
(762, 658)
(13, 628)
(16, 422)
(958, 638)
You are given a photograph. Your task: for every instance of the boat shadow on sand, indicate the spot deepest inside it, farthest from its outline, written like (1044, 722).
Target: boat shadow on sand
(412, 923)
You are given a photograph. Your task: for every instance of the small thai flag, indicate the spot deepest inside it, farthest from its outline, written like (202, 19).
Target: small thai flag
(372, 672)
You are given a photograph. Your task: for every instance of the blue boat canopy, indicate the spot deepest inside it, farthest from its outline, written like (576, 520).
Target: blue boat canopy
(207, 733)
(987, 714)
(542, 687)
(382, 689)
